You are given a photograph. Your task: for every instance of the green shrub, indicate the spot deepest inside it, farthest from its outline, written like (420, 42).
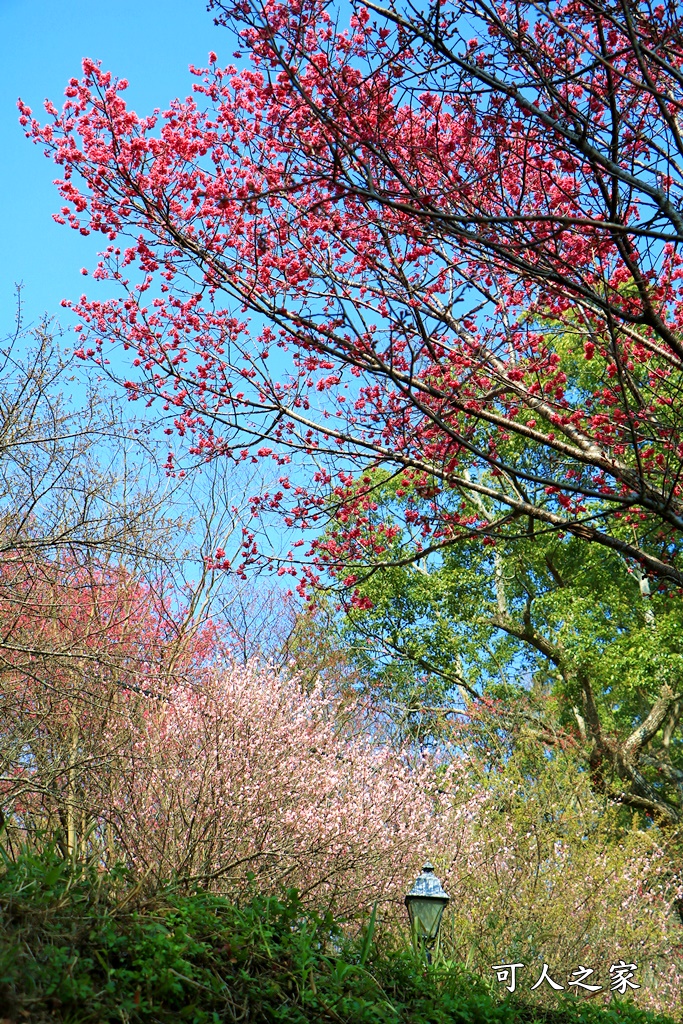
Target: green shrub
(81, 947)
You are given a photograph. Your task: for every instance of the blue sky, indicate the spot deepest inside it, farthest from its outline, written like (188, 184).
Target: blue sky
(149, 42)
(42, 44)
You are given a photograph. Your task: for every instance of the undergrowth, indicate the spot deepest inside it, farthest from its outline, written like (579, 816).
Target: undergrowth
(81, 947)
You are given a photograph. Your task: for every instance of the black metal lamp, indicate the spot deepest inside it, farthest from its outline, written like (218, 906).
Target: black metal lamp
(426, 903)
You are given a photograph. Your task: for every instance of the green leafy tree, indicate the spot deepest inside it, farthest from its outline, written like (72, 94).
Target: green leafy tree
(569, 642)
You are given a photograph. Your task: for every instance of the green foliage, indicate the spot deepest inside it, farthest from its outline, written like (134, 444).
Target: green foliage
(80, 947)
(497, 614)
(538, 621)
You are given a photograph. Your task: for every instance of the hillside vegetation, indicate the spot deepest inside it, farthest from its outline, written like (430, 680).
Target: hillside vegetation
(78, 946)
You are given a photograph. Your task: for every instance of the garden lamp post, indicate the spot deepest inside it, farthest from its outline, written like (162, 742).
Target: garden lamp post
(426, 903)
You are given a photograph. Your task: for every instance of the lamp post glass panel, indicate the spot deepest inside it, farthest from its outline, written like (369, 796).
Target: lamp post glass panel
(426, 902)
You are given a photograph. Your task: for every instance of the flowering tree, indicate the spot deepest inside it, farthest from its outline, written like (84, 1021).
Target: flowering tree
(460, 224)
(241, 772)
(129, 742)
(129, 734)
(83, 646)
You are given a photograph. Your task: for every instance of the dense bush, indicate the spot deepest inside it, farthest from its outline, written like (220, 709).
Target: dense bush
(85, 947)
(212, 773)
